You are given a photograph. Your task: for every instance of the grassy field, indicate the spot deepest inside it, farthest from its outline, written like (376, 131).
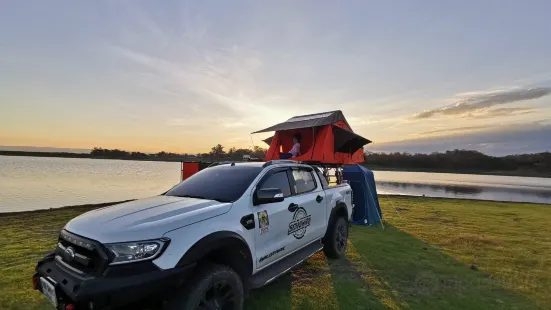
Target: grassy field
(433, 254)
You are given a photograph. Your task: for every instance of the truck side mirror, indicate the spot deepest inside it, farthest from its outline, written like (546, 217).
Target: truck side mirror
(268, 195)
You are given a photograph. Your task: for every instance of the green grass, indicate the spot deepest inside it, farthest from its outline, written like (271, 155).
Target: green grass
(433, 254)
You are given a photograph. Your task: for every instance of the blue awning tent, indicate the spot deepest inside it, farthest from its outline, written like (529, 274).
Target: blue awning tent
(367, 210)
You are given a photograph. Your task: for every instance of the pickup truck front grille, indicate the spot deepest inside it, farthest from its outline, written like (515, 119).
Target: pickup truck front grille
(80, 255)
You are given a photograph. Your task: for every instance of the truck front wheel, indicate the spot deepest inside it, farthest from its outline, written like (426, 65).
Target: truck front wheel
(211, 287)
(335, 244)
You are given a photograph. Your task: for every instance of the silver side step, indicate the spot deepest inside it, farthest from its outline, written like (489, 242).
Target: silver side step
(285, 265)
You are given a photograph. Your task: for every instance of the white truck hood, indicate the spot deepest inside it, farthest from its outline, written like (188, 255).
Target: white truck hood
(144, 219)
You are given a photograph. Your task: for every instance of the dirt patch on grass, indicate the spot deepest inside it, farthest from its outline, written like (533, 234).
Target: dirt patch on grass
(508, 213)
(343, 268)
(440, 218)
(428, 283)
(305, 275)
(437, 217)
(471, 240)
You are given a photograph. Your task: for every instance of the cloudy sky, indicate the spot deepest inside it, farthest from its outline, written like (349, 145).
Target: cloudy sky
(185, 75)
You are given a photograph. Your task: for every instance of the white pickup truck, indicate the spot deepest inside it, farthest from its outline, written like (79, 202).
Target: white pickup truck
(203, 244)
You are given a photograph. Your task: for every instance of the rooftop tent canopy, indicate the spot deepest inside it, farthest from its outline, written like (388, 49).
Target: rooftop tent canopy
(268, 140)
(308, 121)
(325, 137)
(346, 140)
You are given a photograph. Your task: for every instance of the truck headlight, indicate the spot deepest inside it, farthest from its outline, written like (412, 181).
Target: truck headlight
(129, 252)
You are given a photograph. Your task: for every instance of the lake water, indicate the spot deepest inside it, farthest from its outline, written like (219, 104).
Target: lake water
(31, 183)
(466, 186)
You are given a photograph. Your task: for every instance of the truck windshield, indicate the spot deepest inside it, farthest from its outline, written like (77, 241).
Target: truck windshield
(222, 183)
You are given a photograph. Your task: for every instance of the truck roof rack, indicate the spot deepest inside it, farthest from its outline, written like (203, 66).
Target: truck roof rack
(280, 161)
(217, 163)
(324, 165)
(312, 163)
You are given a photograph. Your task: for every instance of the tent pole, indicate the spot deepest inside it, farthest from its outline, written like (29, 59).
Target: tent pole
(252, 142)
(380, 219)
(313, 144)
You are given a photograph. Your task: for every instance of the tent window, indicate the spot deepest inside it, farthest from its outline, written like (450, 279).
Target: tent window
(304, 181)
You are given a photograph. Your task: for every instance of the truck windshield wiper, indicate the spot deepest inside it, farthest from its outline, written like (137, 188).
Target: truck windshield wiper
(193, 196)
(202, 197)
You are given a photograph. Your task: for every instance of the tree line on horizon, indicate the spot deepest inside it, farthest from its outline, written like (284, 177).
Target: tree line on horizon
(456, 160)
(218, 152)
(453, 161)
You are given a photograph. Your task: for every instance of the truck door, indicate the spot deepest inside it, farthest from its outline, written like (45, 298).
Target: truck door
(310, 198)
(272, 240)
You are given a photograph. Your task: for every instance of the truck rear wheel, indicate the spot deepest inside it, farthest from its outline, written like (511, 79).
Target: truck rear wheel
(335, 244)
(211, 287)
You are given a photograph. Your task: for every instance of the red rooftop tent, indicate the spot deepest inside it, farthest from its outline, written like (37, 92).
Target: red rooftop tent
(326, 138)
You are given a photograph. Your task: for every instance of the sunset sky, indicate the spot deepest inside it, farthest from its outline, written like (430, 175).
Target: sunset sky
(183, 76)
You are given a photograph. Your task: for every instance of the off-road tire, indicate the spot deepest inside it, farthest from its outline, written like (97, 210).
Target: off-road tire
(334, 246)
(193, 294)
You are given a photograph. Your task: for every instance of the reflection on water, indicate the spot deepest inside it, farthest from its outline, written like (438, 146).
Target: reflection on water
(29, 183)
(448, 189)
(484, 187)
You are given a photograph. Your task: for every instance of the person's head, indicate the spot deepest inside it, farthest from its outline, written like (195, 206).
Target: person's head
(296, 138)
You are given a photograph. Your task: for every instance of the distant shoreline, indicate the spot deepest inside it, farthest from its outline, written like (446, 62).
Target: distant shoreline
(84, 155)
(87, 207)
(73, 207)
(512, 173)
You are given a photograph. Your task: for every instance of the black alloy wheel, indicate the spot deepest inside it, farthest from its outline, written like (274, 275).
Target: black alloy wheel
(341, 237)
(335, 242)
(220, 296)
(211, 287)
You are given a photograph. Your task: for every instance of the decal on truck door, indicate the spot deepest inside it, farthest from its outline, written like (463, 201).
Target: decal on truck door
(265, 257)
(263, 221)
(298, 225)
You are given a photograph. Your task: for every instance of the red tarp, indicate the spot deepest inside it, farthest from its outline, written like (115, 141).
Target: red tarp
(189, 169)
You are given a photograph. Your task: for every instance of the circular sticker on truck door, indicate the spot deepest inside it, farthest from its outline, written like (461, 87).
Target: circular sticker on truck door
(298, 225)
